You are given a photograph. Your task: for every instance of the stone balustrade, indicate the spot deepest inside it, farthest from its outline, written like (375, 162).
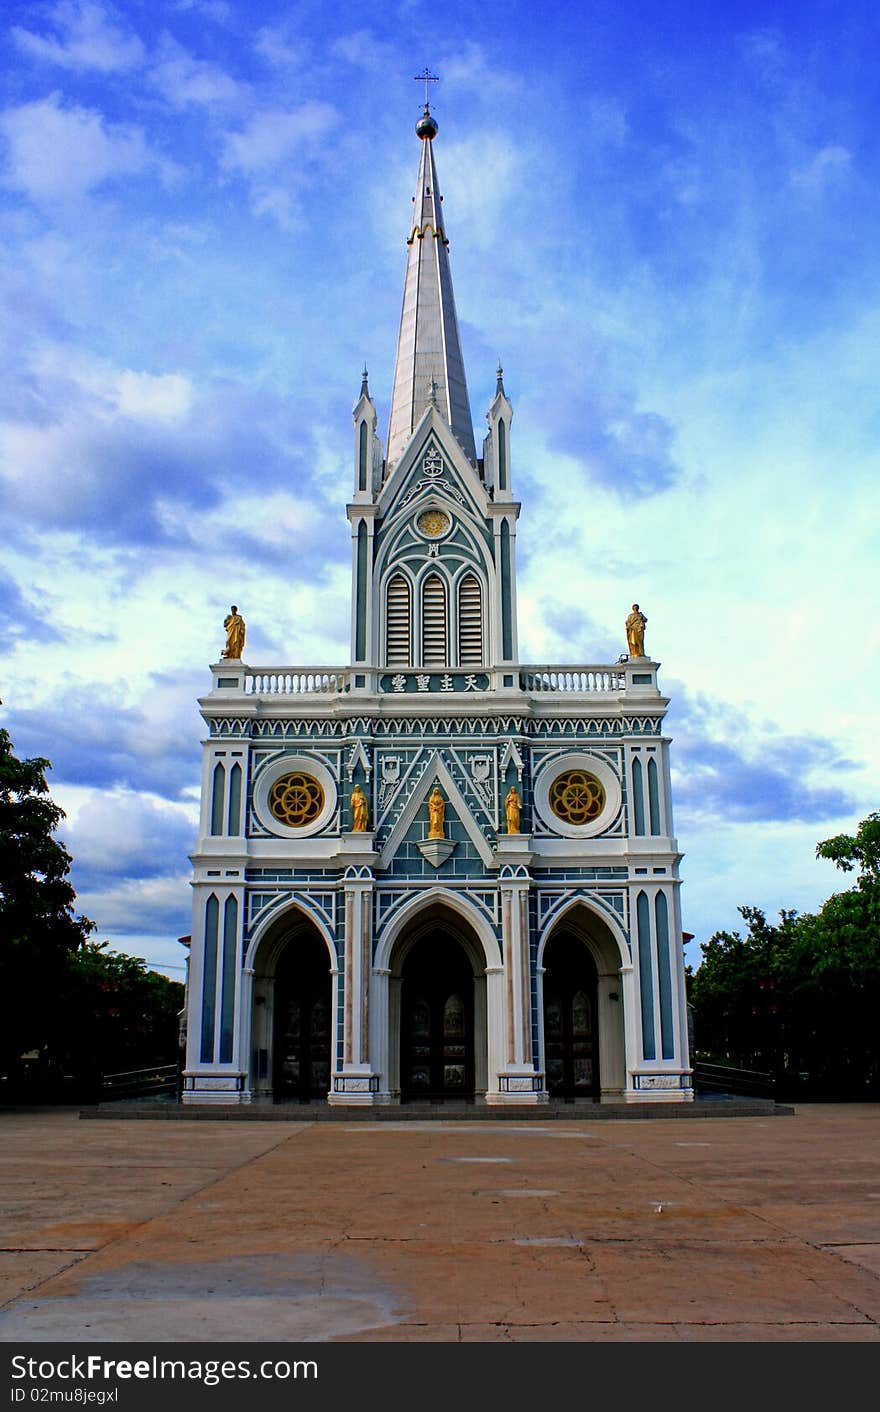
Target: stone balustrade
(572, 680)
(296, 681)
(541, 679)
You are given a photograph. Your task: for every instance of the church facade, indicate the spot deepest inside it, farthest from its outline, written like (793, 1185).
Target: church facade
(435, 873)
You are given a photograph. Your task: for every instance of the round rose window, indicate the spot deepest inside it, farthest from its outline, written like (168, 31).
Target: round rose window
(433, 523)
(296, 799)
(577, 797)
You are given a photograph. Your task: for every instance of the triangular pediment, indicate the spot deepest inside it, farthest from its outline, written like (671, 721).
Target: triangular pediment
(433, 464)
(437, 772)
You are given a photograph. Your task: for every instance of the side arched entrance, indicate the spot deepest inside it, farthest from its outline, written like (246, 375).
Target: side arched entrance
(301, 1040)
(292, 1049)
(571, 1030)
(584, 977)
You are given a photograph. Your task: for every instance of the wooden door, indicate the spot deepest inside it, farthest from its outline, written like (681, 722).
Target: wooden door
(302, 1022)
(570, 1030)
(437, 1012)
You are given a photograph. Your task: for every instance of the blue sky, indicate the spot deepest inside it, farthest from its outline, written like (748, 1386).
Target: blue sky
(663, 220)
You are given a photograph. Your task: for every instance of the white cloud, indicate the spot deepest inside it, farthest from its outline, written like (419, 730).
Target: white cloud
(61, 153)
(140, 905)
(362, 49)
(279, 203)
(166, 397)
(274, 134)
(87, 39)
(281, 50)
(111, 391)
(184, 81)
(217, 10)
(123, 833)
(476, 205)
(826, 166)
(470, 68)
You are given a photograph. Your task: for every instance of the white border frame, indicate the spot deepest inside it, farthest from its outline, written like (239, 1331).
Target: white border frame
(578, 760)
(274, 770)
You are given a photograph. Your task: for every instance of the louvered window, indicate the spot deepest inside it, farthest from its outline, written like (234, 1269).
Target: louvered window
(434, 622)
(470, 622)
(397, 622)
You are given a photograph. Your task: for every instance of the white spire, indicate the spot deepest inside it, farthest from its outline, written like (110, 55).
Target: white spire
(428, 348)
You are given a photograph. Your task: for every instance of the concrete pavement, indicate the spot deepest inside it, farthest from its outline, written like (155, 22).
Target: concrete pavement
(639, 1231)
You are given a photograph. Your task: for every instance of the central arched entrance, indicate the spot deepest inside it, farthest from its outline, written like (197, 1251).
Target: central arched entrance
(571, 1031)
(436, 1020)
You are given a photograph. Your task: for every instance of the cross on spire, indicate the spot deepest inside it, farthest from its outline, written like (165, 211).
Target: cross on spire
(426, 78)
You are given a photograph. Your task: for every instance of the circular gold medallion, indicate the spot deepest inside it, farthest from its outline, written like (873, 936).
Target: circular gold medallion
(433, 523)
(577, 797)
(296, 799)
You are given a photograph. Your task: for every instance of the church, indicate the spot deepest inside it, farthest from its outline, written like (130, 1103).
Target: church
(436, 873)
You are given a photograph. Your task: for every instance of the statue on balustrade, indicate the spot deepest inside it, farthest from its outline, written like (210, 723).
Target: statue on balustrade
(235, 631)
(436, 814)
(635, 632)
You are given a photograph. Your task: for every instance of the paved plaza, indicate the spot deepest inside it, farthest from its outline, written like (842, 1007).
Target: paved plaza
(747, 1229)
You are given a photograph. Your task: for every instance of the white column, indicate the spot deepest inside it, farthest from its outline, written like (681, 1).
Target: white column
(380, 1032)
(355, 1082)
(516, 1079)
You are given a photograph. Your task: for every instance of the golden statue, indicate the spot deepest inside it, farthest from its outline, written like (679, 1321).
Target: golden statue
(635, 632)
(436, 813)
(235, 630)
(512, 808)
(358, 810)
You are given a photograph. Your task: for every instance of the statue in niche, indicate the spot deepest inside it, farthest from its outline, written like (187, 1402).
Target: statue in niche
(513, 809)
(635, 632)
(235, 631)
(436, 814)
(358, 810)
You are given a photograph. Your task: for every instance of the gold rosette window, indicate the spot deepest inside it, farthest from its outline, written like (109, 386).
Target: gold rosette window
(296, 799)
(433, 523)
(577, 797)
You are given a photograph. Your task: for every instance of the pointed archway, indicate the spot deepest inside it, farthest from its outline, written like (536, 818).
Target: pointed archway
(293, 1013)
(301, 1032)
(584, 973)
(571, 1031)
(439, 942)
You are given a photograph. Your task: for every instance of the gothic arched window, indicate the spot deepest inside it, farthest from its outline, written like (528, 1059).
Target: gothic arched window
(434, 622)
(470, 622)
(398, 618)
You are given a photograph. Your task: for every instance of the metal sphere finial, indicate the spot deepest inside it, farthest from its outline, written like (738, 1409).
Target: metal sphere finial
(426, 127)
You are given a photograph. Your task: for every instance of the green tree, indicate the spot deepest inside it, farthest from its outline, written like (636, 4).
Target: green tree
(860, 850)
(39, 929)
(84, 1009)
(118, 1014)
(801, 999)
(740, 1008)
